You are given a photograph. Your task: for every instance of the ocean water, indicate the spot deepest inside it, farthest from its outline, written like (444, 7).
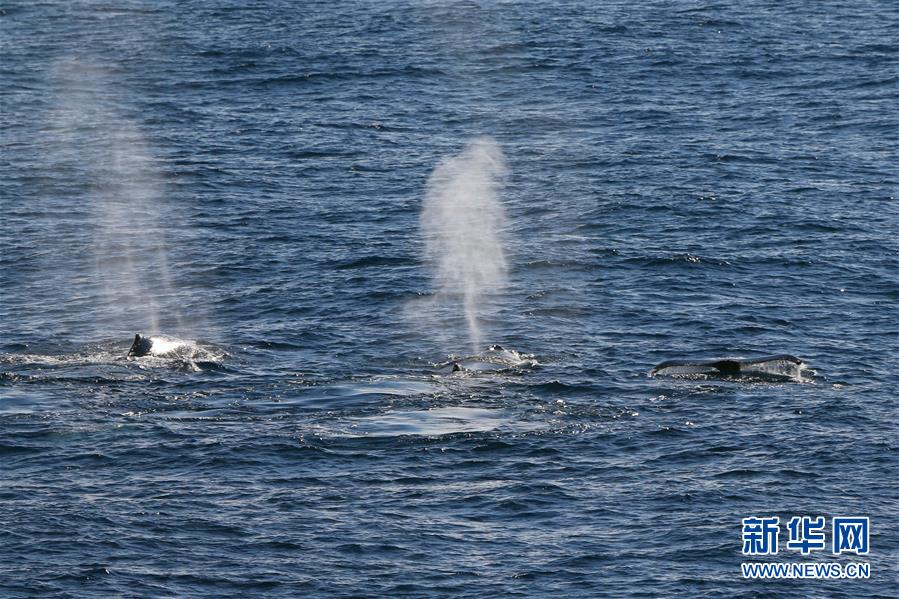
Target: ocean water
(683, 180)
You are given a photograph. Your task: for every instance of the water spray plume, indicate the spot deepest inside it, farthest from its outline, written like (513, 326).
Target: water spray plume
(461, 222)
(94, 137)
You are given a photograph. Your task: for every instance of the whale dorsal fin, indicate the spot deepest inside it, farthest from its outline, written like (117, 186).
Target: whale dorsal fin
(140, 347)
(726, 366)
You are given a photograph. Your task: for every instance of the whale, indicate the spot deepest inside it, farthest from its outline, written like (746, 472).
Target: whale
(141, 347)
(780, 366)
(477, 366)
(171, 352)
(145, 345)
(495, 359)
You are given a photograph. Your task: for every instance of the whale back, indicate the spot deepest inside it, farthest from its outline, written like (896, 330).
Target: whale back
(777, 366)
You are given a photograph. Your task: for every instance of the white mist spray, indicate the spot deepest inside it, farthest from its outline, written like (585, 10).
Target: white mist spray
(95, 139)
(461, 223)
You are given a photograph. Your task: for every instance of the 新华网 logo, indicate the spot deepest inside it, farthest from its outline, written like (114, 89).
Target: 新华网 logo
(805, 534)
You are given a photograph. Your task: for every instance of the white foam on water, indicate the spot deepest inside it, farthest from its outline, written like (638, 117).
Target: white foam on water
(166, 345)
(436, 421)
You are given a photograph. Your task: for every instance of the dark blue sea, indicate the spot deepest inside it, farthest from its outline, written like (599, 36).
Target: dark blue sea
(682, 181)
